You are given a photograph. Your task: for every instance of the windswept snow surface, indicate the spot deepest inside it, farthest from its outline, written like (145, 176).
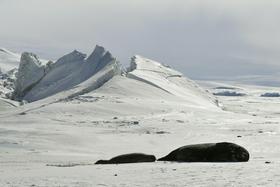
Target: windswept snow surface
(169, 81)
(56, 144)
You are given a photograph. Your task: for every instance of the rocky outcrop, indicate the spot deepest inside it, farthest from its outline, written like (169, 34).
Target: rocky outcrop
(30, 72)
(72, 70)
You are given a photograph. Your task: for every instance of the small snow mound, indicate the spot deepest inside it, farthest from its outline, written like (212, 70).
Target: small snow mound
(139, 62)
(273, 94)
(229, 93)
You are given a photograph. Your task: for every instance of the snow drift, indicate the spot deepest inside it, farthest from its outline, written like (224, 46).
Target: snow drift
(168, 80)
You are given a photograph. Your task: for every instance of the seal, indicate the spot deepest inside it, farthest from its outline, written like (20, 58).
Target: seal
(129, 158)
(209, 152)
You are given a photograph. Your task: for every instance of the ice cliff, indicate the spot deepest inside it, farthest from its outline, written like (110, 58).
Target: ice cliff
(66, 73)
(30, 72)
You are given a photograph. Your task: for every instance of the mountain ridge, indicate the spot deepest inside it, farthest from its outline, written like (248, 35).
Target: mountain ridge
(76, 73)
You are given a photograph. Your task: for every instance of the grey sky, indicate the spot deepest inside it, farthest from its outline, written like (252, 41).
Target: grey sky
(202, 38)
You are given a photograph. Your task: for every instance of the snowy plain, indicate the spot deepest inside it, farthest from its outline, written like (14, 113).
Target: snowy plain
(154, 109)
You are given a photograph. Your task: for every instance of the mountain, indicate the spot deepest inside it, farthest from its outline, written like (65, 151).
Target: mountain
(168, 80)
(67, 72)
(75, 75)
(31, 70)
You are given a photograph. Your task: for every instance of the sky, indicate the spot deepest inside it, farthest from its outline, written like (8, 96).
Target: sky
(201, 38)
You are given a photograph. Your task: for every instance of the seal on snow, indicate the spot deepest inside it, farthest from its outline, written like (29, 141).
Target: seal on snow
(129, 158)
(208, 152)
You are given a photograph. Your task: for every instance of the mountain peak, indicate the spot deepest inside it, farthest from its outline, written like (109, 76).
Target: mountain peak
(29, 58)
(74, 56)
(31, 70)
(72, 70)
(97, 54)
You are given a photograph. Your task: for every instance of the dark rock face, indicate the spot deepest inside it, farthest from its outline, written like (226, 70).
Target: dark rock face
(209, 152)
(129, 158)
(273, 94)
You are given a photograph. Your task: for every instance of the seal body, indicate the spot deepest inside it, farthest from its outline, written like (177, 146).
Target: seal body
(209, 152)
(129, 158)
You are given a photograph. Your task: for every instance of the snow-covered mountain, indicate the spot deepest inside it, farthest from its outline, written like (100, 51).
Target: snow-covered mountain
(9, 63)
(30, 72)
(71, 70)
(168, 80)
(76, 74)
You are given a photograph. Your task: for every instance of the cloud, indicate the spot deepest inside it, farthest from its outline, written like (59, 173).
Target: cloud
(201, 38)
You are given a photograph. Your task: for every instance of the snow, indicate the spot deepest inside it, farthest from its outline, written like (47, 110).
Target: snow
(81, 130)
(169, 80)
(70, 71)
(152, 109)
(7, 83)
(8, 60)
(30, 72)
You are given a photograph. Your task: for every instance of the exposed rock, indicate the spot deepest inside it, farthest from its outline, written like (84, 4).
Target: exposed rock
(72, 70)
(229, 93)
(30, 72)
(273, 94)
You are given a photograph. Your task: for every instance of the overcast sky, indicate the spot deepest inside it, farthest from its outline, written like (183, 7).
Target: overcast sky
(201, 38)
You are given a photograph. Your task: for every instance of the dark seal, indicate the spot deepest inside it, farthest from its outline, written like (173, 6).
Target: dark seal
(129, 158)
(209, 152)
